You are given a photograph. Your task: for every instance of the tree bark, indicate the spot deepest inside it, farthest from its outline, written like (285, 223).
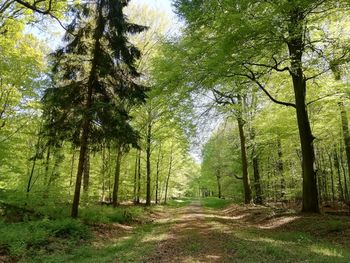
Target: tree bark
(218, 180)
(280, 168)
(337, 167)
(332, 176)
(148, 163)
(87, 115)
(117, 176)
(346, 134)
(47, 165)
(138, 179)
(246, 182)
(257, 181)
(296, 47)
(168, 176)
(158, 172)
(86, 174)
(135, 178)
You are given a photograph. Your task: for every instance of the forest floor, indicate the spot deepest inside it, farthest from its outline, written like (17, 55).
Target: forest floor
(207, 230)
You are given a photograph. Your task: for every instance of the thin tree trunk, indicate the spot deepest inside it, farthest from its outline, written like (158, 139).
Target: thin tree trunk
(72, 170)
(138, 179)
(31, 174)
(117, 176)
(158, 171)
(148, 163)
(257, 181)
(280, 168)
(346, 134)
(168, 176)
(337, 167)
(246, 183)
(218, 180)
(47, 165)
(332, 176)
(346, 189)
(86, 174)
(135, 178)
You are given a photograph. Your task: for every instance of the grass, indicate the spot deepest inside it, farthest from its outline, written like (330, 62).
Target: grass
(306, 239)
(252, 245)
(19, 239)
(131, 248)
(179, 202)
(215, 203)
(28, 233)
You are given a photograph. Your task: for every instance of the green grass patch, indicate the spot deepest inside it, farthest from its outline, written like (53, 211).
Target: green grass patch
(19, 239)
(179, 202)
(269, 246)
(215, 203)
(108, 214)
(134, 247)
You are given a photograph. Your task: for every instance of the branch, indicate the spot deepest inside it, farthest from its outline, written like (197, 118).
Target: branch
(274, 67)
(323, 97)
(230, 98)
(237, 177)
(34, 8)
(47, 11)
(253, 78)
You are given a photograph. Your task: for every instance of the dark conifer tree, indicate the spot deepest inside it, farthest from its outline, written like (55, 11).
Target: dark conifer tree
(94, 79)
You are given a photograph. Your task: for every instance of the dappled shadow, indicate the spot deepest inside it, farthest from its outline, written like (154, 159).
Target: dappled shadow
(238, 234)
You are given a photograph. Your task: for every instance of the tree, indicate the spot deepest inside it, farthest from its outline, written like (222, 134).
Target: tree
(94, 74)
(256, 40)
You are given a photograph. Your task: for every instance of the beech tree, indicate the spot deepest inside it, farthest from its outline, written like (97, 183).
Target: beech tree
(256, 40)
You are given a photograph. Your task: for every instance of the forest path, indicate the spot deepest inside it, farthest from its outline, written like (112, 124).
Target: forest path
(196, 234)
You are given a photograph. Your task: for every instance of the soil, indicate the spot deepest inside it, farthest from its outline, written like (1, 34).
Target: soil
(194, 236)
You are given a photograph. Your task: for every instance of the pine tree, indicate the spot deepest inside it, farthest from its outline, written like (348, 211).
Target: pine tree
(94, 80)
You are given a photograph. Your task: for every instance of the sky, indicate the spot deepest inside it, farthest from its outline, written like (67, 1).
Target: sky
(57, 32)
(164, 5)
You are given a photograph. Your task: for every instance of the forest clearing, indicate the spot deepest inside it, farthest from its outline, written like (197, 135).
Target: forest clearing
(174, 131)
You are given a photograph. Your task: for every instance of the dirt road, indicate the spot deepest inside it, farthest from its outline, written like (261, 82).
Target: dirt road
(196, 235)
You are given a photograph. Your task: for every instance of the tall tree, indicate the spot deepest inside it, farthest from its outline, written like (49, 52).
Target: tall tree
(257, 40)
(94, 73)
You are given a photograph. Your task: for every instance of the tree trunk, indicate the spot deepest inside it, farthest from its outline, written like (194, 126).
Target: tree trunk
(158, 172)
(246, 182)
(103, 174)
(117, 176)
(84, 139)
(72, 170)
(168, 176)
(332, 176)
(31, 174)
(346, 134)
(257, 181)
(337, 167)
(86, 174)
(346, 189)
(280, 168)
(296, 47)
(138, 179)
(135, 178)
(47, 165)
(148, 163)
(218, 180)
